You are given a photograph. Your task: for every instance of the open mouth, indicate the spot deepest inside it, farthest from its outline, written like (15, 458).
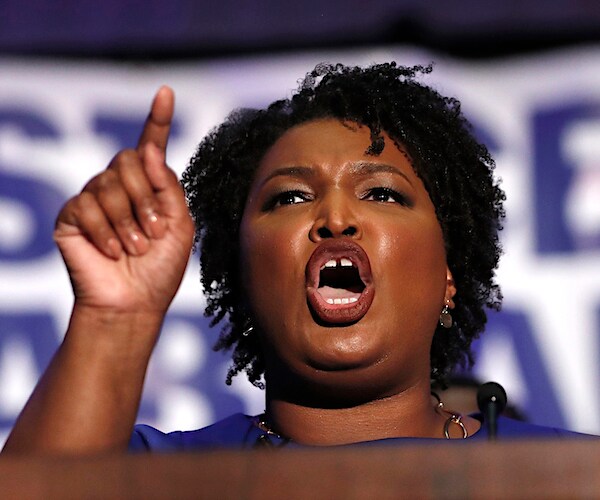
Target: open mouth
(339, 282)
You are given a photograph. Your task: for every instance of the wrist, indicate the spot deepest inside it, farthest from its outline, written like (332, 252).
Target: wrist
(115, 333)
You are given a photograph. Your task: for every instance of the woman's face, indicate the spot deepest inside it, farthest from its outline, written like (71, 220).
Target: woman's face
(343, 263)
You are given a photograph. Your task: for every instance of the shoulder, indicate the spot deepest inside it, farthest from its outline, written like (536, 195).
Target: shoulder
(233, 431)
(515, 429)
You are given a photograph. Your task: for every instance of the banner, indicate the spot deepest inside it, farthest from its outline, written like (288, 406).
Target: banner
(61, 123)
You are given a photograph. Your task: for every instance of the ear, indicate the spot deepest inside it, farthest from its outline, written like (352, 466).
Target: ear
(450, 290)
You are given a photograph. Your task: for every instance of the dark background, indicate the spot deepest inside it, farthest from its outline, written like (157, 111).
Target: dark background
(180, 29)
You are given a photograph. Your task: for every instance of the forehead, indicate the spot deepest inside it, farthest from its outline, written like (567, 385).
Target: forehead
(331, 142)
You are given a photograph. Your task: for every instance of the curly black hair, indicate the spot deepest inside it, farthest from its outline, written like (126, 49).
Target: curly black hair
(455, 168)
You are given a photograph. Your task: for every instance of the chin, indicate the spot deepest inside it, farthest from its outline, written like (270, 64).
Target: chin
(343, 348)
(345, 361)
(342, 382)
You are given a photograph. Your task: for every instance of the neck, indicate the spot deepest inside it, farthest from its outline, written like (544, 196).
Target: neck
(410, 413)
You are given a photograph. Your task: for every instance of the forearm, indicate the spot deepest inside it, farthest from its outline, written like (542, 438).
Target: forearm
(88, 399)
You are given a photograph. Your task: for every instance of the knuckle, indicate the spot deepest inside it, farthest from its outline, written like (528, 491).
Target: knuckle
(101, 182)
(173, 176)
(69, 204)
(77, 210)
(90, 185)
(123, 158)
(123, 161)
(82, 202)
(67, 210)
(145, 204)
(106, 180)
(104, 232)
(125, 222)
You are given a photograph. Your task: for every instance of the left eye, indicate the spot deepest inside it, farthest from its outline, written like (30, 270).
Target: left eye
(385, 195)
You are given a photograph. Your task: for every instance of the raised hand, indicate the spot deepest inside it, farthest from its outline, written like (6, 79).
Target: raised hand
(127, 236)
(126, 240)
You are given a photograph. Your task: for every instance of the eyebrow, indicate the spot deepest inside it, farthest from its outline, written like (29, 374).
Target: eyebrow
(369, 167)
(290, 172)
(356, 168)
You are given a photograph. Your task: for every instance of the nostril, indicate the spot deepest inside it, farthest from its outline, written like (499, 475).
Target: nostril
(324, 232)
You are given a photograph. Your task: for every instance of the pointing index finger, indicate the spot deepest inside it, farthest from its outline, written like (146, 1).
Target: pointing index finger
(158, 124)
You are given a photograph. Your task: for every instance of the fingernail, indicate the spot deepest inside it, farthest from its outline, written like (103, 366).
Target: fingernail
(114, 248)
(156, 225)
(138, 245)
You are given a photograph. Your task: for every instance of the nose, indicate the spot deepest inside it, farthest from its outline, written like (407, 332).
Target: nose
(335, 218)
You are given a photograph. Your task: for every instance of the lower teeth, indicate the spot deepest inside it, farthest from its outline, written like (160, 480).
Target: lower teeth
(341, 301)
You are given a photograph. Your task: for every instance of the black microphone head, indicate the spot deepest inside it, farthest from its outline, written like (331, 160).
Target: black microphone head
(491, 392)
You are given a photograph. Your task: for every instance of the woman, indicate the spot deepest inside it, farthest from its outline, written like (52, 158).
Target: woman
(348, 243)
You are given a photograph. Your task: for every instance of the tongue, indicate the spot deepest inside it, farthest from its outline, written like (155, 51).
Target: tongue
(328, 292)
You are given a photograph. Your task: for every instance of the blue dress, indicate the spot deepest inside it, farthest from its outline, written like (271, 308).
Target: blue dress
(240, 431)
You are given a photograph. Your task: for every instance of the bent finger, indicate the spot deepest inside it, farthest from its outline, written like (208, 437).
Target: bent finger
(116, 204)
(82, 215)
(142, 197)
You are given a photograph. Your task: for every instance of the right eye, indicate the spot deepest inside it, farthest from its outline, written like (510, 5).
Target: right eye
(286, 198)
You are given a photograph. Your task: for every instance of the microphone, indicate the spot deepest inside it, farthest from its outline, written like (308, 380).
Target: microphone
(491, 400)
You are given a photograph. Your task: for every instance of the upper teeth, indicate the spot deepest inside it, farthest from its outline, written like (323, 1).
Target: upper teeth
(343, 262)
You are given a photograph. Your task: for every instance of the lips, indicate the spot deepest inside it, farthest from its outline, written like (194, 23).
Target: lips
(339, 282)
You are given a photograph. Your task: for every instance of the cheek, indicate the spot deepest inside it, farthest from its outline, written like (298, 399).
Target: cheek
(416, 259)
(272, 261)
